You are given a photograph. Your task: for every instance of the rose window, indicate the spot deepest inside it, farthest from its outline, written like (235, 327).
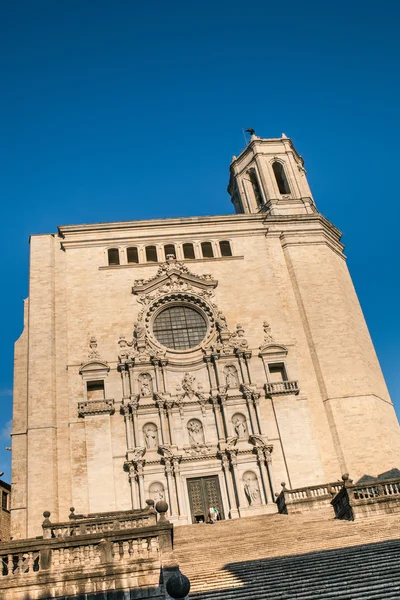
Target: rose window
(180, 327)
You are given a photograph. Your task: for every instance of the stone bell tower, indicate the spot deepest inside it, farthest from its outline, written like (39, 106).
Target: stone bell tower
(269, 176)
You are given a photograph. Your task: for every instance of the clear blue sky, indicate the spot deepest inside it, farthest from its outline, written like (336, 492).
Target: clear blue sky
(129, 110)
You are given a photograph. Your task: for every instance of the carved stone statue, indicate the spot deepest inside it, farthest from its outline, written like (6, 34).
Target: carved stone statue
(221, 322)
(195, 429)
(239, 422)
(251, 489)
(268, 338)
(157, 492)
(187, 384)
(93, 352)
(231, 376)
(145, 384)
(140, 330)
(151, 436)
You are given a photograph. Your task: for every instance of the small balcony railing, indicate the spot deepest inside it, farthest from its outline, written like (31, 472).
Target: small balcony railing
(282, 387)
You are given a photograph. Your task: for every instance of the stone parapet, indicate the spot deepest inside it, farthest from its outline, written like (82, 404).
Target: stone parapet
(308, 498)
(73, 561)
(357, 501)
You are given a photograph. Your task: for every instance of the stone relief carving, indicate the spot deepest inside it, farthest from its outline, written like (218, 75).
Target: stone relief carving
(240, 425)
(150, 432)
(251, 488)
(187, 385)
(157, 491)
(93, 353)
(268, 337)
(196, 433)
(145, 382)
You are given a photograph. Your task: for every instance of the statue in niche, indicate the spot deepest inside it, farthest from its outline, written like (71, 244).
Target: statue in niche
(145, 384)
(196, 435)
(231, 376)
(157, 492)
(239, 423)
(151, 436)
(187, 384)
(251, 489)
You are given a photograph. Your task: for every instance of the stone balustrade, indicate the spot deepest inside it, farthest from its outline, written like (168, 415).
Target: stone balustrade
(96, 407)
(282, 387)
(367, 499)
(116, 550)
(307, 498)
(99, 523)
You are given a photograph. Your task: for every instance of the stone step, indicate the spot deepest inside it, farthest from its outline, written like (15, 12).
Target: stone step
(287, 557)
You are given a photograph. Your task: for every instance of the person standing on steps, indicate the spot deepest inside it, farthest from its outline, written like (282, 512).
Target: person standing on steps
(213, 514)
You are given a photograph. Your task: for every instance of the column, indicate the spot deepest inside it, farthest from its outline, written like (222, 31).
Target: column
(229, 486)
(163, 364)
(247, 356)
(160, 406)
(242, 370)
(168, 405)
(127, 418)
(236, 479)
(179, 487)
(248, 397)
(134, 403)
(171, 491)
(207, 360)
(222, 398)
(132, 482)
(215, 358)
(140, 473)
(217, 416)
(264, 475)
(126, 392)
(256, 402)
(268, 458)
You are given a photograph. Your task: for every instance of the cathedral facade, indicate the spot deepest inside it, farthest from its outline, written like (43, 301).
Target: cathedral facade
(201, 361)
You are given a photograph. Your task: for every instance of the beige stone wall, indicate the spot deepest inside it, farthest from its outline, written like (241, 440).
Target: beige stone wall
(289, 272)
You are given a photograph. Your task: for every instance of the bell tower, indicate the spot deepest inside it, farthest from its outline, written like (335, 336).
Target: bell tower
(269, 176)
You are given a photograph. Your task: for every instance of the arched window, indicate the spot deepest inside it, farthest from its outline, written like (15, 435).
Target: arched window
(225, 248)
(188, 251)
(280, 177)
(151, 254)
(132, 255)
(113, 256)
(255, 185)
(207, 250)
(169, 249)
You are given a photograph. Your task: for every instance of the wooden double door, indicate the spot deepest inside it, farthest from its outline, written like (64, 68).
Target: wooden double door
(204, 492)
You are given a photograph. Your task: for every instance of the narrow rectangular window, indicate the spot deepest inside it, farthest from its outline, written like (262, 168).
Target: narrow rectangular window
(277, 373)
(188, 251)
(132, 255)
(113, 256)
(95, 390)
(4, 500)
(225, 248)
(207, 250)
(151, 254)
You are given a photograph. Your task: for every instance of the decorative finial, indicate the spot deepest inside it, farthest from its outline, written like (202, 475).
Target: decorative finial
(250, 131)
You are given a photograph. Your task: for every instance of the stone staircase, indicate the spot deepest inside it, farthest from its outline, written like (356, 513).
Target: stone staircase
(283, 557)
